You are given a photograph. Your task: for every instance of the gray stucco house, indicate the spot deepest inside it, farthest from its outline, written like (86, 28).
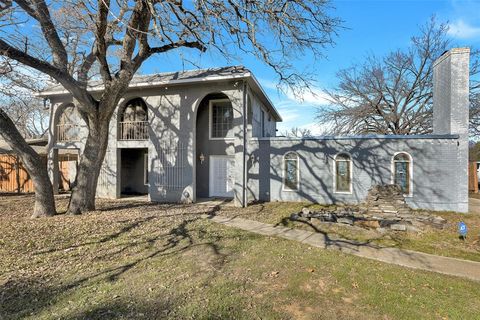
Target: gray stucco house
(180, 137)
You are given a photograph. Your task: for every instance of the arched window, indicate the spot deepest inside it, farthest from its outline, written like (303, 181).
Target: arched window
(291, 171)
(135, 110)
(67, 126)
(343, 173)
(402, 172)
(133, 123)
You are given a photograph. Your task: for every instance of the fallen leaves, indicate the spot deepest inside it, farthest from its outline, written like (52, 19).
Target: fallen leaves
(273, 274)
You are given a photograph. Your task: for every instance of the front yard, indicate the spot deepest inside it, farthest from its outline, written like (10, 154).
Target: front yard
(141, 260)
(440, 242)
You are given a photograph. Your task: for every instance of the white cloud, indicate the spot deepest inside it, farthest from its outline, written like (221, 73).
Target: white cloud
(313, 97)
(297, 110)
(317, 129)
(289, 115)
(462, 30)
(314, 128)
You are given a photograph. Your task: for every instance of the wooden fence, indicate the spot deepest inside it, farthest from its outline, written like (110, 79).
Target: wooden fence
(13, 176)
(67, 167)
(472, 177)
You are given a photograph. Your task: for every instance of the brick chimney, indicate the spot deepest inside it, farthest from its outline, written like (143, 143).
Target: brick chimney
(450, 111)
(450, 92)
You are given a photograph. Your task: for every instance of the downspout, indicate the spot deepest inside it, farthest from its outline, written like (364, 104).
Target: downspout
(245, 123)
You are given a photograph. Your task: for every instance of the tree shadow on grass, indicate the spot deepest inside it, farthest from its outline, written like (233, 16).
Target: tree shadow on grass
(27, 295)
(366, 248)
(121, 309)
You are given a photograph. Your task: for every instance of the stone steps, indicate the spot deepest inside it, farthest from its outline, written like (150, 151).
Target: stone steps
(385, 207)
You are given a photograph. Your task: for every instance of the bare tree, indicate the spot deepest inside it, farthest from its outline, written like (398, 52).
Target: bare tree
(17, 87)
(296, 132)
(44, 201)
(23, 117)
(28, 114)
(120, 36)
(393, 94)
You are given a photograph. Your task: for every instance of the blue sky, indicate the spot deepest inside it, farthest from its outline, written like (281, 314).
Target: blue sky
(371, 27)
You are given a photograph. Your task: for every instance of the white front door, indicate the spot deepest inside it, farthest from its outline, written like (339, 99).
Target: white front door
(222, 176)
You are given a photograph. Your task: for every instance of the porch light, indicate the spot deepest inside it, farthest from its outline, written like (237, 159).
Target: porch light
(202, 158)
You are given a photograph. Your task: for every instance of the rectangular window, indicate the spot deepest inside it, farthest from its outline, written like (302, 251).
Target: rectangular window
(221, 119)
(343, 176)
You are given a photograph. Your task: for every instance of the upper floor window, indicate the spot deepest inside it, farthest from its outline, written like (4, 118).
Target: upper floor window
(135, 110)
(221, 119)
(68, 128)
(343, 173)
(133, 124)
(291, 171)
(402, 167)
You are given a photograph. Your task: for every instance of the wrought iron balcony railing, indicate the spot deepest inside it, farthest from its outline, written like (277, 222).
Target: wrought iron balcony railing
(67, 132)
(133, 130)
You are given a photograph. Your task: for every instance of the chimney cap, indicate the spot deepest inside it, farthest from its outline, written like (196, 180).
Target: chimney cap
(448, 53)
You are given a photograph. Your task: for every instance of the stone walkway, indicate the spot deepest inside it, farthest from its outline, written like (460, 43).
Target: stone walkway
(406, 258)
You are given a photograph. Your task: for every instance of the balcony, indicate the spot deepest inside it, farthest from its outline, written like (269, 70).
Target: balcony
(133, 130)
(67, 132)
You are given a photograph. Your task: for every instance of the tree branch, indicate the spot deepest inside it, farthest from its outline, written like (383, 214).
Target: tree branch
(41, 13)
(61, 76)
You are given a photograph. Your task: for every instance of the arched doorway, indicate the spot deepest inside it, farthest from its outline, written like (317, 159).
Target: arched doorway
(215, 152)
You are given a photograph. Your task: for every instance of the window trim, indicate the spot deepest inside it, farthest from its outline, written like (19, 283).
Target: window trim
(284, 186)
(335, 173)
(210, 119)
(410, 172)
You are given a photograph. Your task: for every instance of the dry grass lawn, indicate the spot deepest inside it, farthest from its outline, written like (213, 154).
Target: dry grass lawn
(133, 260)
(444, 242)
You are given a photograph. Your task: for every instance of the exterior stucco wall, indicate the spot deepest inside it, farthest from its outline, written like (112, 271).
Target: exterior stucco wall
(172, 119)
(172, 114)
(434, 177)
(269, 122)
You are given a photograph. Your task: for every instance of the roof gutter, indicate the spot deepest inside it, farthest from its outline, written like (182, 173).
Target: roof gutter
(147, 84)
(141, 85)
(268, 101)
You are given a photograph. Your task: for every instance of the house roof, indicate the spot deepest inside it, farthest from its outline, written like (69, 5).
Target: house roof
(181, 77)
(39, 145)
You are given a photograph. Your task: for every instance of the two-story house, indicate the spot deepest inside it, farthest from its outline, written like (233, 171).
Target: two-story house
(183, 136)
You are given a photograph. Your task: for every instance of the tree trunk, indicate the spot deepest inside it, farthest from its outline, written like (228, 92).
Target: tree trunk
(36, 167)
(88, 171)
